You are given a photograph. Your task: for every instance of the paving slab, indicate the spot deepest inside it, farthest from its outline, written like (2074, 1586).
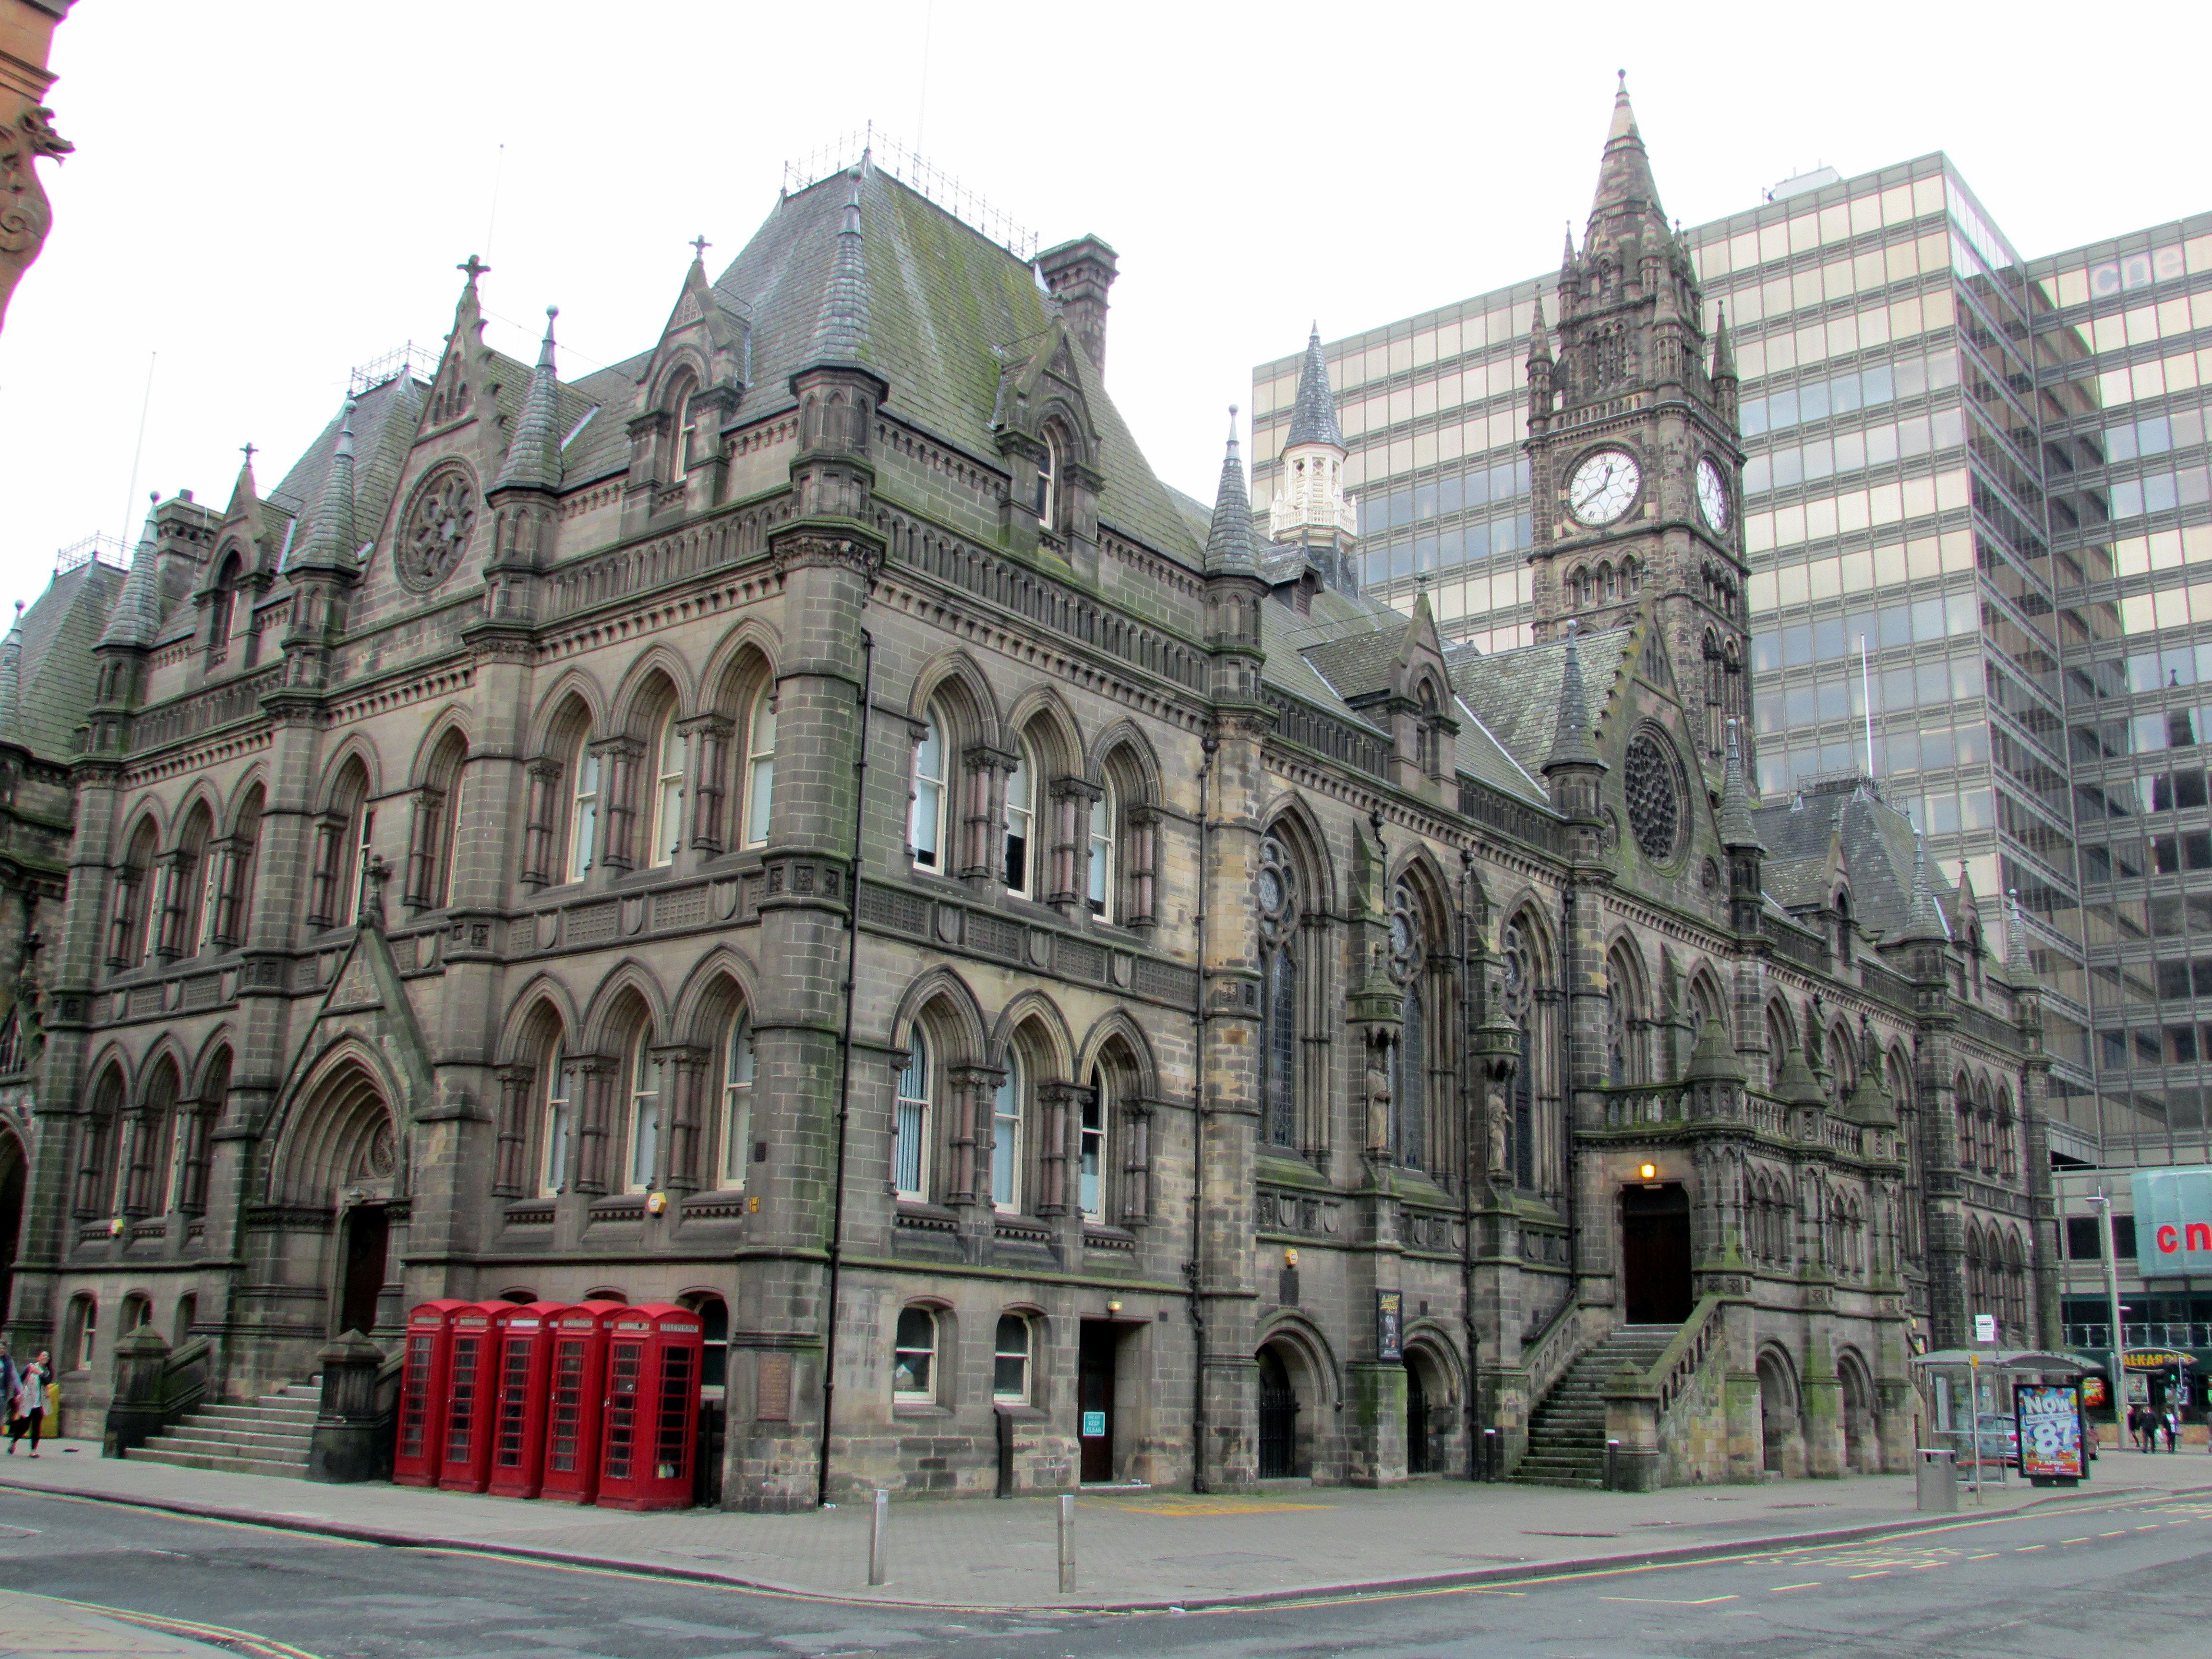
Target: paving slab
(1134, 1547)
(38, 1627)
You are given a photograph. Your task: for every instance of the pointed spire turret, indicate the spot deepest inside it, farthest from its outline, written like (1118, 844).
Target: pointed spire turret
(1713, 1059)
(1626, 190)
(1795, 1085)
(1923, 917)
(1724, 353)
(1736, 827)
(533, 459)
(1571, 745)
(331, 540)
(136, 618)
(841, 331)
(1540, 338)
(1313, 418)
(1228, 548)
(2017, 965)
(1567, 254)
(11, 680)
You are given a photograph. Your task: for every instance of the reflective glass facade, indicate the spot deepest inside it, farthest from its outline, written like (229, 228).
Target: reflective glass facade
(1899, 366)
(2123, 345)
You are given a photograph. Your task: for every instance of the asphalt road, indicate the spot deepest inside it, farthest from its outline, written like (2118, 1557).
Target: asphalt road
(2128, 1577)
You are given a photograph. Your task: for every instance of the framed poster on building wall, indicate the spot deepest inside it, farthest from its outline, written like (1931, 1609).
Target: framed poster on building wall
(1389, 1324)
(2048, 1417)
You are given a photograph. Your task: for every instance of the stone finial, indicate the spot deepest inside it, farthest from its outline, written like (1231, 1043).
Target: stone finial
(1923, 917)
(1724, 353)
(1540, 338)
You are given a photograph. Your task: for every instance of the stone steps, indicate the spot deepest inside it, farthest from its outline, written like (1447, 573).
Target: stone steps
(1566, 1431)
(270, 1436)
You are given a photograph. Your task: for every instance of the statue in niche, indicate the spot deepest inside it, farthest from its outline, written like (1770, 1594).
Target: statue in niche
(1498, 1123)
(1378, 1099)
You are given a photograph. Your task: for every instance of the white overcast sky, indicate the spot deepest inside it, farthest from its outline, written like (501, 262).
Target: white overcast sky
(265, 194)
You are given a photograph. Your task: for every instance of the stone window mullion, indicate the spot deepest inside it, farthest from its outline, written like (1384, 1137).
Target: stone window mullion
(618, 762)
(543, 776)
(683, 1070)
(709, 737)
(516, 1095)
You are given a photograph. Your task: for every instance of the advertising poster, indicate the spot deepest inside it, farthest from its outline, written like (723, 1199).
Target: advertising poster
(2049, 1416)
(2173, 1221)
(1389, 1324)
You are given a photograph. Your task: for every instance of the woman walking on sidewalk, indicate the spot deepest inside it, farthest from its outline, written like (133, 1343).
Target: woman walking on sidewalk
(27, 1408)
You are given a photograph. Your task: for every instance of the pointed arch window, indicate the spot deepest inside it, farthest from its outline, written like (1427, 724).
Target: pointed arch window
(737, 1100)
(1279, 905)
(134, 896)
(583, 807)
(760, 767)
(1105, 813)
(1006, 1136)
(644, 1072)
(1050, 464)
(222, 608)
(683, 428)
(1409, 1088)
(1518, 974)
(667, 791)
(910, 1122)
(556, 1120)
(1092, 1179)
(1021, 824)
(926, 819)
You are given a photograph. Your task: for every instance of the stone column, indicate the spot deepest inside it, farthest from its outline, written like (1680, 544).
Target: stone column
(712, 826)
(515, 1095)
(684, 1109)
(543, 777)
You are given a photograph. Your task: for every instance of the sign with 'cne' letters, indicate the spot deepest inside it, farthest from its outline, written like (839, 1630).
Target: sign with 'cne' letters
(2173, 1221)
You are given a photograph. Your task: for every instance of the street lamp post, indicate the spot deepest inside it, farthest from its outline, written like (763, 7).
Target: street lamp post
(2103, 1205)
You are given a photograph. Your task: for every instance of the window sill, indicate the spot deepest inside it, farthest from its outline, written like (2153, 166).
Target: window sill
(918, 1410)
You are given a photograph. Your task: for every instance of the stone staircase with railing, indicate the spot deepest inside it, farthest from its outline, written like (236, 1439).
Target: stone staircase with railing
(270, 1437)
(1566, 1431)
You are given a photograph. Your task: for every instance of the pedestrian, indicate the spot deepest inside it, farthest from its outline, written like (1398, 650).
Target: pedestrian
(10, 1381)
(2171, 1423)
(27, 1410)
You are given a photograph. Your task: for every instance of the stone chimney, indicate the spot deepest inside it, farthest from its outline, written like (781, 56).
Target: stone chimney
(1077, 274)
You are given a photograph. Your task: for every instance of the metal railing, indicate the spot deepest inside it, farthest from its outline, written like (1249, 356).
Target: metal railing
(2183, 1333)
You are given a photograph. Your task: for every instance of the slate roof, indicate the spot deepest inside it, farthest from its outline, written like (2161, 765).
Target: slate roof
(385, 418)
(948, 309)
(1516, 693)
(1359, 665)
(59, 674)
(1875, 841)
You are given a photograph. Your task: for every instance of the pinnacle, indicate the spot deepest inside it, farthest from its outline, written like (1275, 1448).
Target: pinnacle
(1313, 419)
(1229, 539)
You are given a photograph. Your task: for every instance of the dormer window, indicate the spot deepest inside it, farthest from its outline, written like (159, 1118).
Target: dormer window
(1048, 481)
(683, 428)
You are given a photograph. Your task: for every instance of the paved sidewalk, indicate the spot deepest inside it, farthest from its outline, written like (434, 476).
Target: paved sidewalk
(1133, 1548)
(33, 1627)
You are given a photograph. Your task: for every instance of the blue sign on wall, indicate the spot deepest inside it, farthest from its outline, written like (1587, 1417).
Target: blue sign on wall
(2173, 1221)
(1094, 1426)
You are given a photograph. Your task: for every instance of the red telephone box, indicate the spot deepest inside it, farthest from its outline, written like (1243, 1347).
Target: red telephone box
(471, 1380)
(649, 1438)
(423, 1392)
(575, 1390)
(526, 1354)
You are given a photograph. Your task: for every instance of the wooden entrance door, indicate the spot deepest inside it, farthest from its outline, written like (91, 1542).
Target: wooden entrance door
(1095, 1397)
(367, 1232)
(1278, 1417)
(1655, 1254)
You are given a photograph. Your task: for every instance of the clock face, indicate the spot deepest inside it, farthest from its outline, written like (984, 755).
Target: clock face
(1603, 486)
(1713, 494)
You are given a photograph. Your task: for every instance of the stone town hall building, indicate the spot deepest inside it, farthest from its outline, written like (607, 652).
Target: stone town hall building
(805, 823)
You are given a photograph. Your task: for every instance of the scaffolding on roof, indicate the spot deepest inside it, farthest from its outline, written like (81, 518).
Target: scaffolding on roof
(108, 550)
(420, 361)
(931, 182)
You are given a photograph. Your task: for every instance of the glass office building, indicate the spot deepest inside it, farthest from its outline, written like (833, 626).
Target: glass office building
(1893, 495)
(2123, 345)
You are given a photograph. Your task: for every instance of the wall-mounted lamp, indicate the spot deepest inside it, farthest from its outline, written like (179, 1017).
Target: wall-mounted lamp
(1290, 1257)
(1113, 1307)
(656, 1203)
(1649, 1171)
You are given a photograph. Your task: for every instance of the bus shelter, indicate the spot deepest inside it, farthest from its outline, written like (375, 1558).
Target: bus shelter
(2016, 1410)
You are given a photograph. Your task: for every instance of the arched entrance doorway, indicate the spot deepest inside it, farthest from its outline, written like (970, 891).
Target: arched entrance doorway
(1278, 1417)
(1861, 1429)
(1780, 1440)
(12, 1168)
(1655, 1254)
(1419, 1459)
(340, 1154)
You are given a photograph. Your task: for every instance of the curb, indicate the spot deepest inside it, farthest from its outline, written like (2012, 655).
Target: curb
(1678, 1555)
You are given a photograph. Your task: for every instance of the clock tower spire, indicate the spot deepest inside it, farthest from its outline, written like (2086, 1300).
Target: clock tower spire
(1634, 455)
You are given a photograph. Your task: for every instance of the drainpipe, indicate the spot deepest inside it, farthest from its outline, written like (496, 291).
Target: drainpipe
(1192, 1269)
(1470, 1099)
(1567, 1090)
(845, 1064)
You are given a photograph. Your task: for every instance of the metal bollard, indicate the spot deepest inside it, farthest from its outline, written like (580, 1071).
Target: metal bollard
(879, 1539)
(1613, 1466)
(1066, 1543)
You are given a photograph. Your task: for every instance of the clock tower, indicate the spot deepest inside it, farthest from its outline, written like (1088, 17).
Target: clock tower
(1633, 450)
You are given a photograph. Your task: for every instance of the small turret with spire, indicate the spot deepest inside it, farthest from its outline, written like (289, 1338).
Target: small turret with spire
(1234, 587)
(1575, 767)
(1310, 509)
